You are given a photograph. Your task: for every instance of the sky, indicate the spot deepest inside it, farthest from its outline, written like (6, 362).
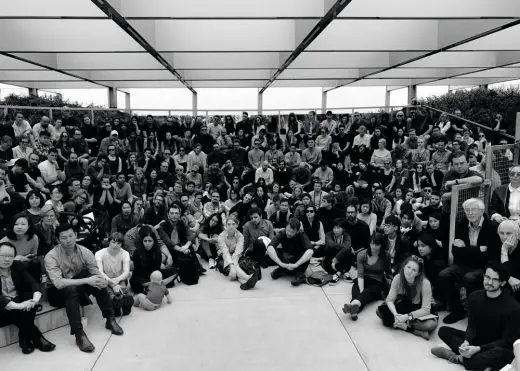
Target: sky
(221, 100)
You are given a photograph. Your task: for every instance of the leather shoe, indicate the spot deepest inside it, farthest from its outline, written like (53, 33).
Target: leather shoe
(84, 343)
(27, 346)
(113, 326)
(43, 345)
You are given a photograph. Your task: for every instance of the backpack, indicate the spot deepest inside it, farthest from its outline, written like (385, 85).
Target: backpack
(316, 275)
(188, 269)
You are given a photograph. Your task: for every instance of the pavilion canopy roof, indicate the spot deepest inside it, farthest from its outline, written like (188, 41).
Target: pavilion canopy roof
(56, 44)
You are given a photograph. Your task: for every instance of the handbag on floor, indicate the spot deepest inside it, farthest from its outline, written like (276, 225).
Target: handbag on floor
(316, 275)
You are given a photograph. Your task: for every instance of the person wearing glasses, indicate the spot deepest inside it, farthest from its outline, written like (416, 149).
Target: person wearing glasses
(20, 296)
(408, 304)
(23, 149)
(313, 228)
(476, 243)
(494, 319)
(505, 201)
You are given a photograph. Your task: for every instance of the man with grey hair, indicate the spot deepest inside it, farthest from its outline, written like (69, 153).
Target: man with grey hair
(476, 244)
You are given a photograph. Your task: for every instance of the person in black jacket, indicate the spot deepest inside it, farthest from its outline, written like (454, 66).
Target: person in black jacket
(19, 300)
(502, 207)
(476, 243)
(358, 230)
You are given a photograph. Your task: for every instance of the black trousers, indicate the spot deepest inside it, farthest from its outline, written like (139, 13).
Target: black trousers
(344, 258)
(496, 357)
(73, 297)
(27, 330)
(402, 306)
(452, 278)
(137, 281)
(373, 290)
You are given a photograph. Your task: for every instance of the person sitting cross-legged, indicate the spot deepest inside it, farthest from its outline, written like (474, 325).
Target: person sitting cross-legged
(73, 271)
(291, 251)
(493, 323)
(408, 304)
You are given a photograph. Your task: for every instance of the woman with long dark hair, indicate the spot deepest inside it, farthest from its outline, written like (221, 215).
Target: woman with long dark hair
(35, 201)
(147, 258)
(408, 304)
(208, 237)
(373, 270)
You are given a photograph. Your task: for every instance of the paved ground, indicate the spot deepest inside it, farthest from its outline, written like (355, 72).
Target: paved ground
(216, 326)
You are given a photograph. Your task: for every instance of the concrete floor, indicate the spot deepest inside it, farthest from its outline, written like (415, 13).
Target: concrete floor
(216, 326)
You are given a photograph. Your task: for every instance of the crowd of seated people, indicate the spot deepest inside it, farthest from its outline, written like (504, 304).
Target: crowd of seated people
(369, 198)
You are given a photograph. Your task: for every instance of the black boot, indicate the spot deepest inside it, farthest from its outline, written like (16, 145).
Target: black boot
(83, 342)
(42, 344)
(113, 326)
(27, 346)
(128, 303)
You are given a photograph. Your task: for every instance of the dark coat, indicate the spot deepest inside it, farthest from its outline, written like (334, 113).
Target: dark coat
(500, 201)
(24, 283)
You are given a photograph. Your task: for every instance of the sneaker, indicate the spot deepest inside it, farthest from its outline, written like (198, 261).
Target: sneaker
(347, 277)
(335, 279)
(445, 353)
(277, 273)
(401, 325)
(298, 280)
(422, 334)
(212, 263)
(347, 308)
(454, 317)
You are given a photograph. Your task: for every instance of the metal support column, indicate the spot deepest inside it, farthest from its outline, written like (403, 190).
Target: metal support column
(112, 98)
(33, 92)
(194, 104)
(412, 92)
(483, 86)
(387, 98)
(127, 101)
(260, 102)
(323, 101)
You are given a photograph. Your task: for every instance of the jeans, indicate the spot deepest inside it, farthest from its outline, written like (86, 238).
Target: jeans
(496, 357)
(454, 276)
(72, 297)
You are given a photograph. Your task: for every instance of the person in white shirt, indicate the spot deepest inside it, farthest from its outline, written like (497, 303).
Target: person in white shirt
(51, 172)
(22, 150)
(44, 124)
(362, 137)
(265, 172)
(21, 126)
(197, 157)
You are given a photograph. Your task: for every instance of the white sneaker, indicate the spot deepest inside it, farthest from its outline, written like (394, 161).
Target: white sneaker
(212, 264)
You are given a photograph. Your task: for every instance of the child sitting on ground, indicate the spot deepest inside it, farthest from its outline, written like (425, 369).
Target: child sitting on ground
(155, 293)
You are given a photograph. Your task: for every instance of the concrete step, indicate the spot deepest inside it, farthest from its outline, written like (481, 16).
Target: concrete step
(50, 318)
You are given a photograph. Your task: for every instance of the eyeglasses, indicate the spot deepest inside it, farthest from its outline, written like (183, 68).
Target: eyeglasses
(427, 190)
(309, 211)
(7, 256)
(514, 173)
(491, 279)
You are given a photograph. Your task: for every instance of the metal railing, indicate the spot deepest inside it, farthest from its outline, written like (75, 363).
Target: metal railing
(459, 194)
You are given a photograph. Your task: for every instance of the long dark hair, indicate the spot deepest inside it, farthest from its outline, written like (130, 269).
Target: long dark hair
(378, 239)
(154, 254)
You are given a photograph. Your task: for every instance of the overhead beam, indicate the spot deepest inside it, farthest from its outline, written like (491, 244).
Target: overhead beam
(52, 66)
(125, 26)
(442, 48)
(332, 13)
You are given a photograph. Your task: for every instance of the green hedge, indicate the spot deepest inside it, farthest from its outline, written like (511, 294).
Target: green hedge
(480, 104)
(34, 115)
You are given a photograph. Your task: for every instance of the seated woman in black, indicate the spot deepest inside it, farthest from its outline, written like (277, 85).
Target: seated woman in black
(148, 258)
(19, 299)
(426, 247)
(313, 228)
(373, 267)
(208, 237)
(438, 228)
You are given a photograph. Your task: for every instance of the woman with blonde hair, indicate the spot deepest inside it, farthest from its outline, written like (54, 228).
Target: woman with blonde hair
(230, 261)
(509, 233)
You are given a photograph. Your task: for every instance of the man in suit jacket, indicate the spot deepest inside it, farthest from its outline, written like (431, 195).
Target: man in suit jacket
(476, 243)
(505, 202)
(20, 296)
